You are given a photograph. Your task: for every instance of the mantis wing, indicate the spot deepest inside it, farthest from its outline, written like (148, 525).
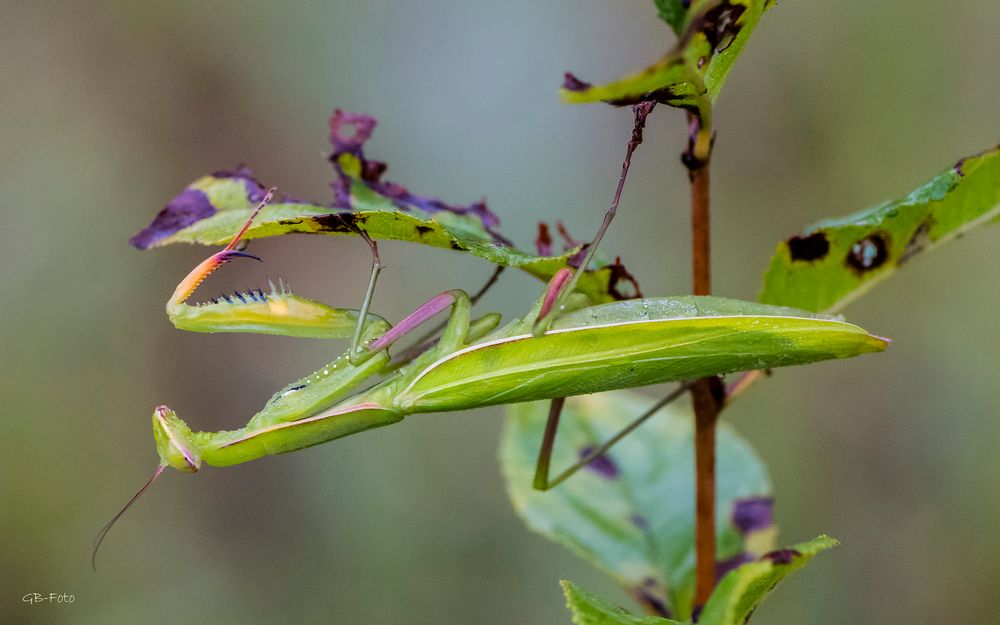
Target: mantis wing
(633, 343)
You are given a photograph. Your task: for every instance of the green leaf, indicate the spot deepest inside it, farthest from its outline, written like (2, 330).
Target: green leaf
(212, 209)
(672, 12)
(713, 34)
(741, 591)
(631, 512)
(836, 261)
(732, 603)
(588, 609)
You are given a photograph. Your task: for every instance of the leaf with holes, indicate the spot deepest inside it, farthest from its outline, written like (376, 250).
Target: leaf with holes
(213, 208)
(691, 75)
(631, 512)
(732, 603)
(836, 261)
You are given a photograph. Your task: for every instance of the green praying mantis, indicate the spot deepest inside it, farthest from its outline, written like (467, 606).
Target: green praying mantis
(476, 362)
(561, 347)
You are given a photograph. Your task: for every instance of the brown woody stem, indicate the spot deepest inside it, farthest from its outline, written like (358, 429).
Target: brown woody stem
(706, 394)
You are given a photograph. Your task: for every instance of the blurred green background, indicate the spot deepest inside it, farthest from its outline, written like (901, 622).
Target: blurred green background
(110, 108)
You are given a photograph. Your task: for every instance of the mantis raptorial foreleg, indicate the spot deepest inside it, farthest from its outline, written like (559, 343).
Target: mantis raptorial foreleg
(276, 312)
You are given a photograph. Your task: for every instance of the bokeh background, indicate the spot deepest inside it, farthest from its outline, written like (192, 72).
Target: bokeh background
(110, 108)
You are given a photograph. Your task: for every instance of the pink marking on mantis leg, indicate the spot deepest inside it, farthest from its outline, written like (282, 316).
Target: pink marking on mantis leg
(204, 269)
(556, 284)
(246, 226)
(433, 306)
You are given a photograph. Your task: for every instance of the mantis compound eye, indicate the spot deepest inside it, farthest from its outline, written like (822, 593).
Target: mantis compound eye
(174, 441)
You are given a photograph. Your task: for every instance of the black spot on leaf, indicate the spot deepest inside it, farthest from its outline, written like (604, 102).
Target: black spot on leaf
(621, 276)
(719, 25)
(337, 222)
(869, 253)
(917, 243)
(809, 248)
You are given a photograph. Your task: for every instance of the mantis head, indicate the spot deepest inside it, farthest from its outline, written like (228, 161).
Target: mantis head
(174, 442)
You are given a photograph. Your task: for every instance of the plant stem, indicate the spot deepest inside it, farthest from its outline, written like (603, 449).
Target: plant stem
(706, 412)
(707, 393)
(700, 231)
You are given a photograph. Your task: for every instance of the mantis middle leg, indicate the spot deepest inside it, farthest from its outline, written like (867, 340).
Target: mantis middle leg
(542, 468)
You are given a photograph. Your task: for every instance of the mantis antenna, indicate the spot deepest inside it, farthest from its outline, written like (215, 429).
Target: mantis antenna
(107, 528)
(561, 285)
(183, 292)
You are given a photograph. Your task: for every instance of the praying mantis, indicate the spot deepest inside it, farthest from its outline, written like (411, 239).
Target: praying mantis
(477, 362)
(561, 347)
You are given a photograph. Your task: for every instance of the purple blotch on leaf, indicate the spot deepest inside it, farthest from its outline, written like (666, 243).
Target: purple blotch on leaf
(255, 190)
(724, 566)
(602, 465)
(348, 133)
(191, 206)
(781, 556)
(543, 242)
(572, 83)
(639, 521)
(753, 514)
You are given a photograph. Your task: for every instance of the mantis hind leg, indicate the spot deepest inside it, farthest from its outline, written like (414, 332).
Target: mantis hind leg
(542, 480)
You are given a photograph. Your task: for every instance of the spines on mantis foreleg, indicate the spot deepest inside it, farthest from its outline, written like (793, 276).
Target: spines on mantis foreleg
(274, 312)
(205, 268)
(254, 310)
